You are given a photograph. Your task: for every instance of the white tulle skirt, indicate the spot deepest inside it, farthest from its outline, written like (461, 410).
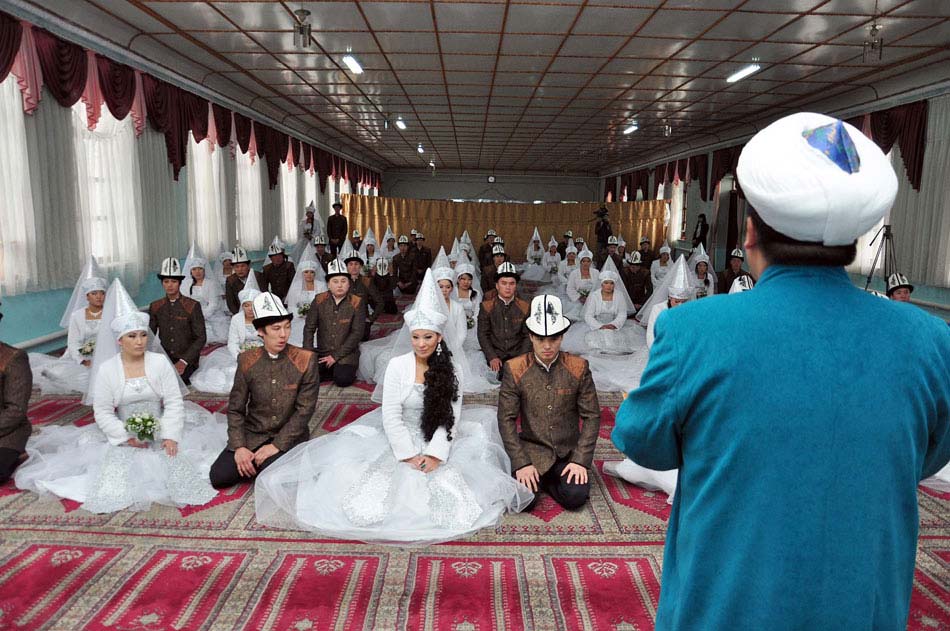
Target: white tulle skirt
(645, 478)
(349, 485)
(535, 273)
(476, 377)
(216, 327)
(940, 481)
(79, 464)
(58, 375)
(215, 372)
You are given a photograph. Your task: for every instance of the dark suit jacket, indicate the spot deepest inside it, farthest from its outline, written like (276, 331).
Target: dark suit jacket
(181, 327)
(16, 384)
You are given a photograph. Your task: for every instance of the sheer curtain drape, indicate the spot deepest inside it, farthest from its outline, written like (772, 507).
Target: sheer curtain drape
(164, 202)
(921, 220)
(17, 232)
(290, 207)
(110, 195)
(207, 196)
(247, 203)
(311, 189)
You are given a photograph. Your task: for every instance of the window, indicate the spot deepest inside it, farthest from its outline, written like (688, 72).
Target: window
(248, 205)
(207, 196)
(17, 231)
(108, 180)
(310, 189)
(290, 206)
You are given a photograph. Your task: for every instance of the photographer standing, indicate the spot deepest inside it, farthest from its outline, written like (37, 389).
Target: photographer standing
(602, 229)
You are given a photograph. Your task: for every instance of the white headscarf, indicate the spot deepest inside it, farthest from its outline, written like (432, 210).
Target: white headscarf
(78, 298)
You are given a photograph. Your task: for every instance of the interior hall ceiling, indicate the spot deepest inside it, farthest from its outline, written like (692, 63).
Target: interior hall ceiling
(522, 85)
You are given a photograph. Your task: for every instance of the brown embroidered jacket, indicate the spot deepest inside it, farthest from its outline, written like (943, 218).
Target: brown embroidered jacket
(550, 403)
(363, 287)
(338, 327)
(277, 279)
(233, 287)
(181, 327)
(501, 333)
(16, 383)
(272, 400)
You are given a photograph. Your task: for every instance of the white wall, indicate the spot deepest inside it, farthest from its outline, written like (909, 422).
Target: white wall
(525, 188)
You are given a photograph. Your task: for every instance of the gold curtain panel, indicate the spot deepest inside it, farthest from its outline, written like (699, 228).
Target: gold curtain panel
(441, 221)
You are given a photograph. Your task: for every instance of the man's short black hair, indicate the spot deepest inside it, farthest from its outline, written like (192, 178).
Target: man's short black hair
(780, 249)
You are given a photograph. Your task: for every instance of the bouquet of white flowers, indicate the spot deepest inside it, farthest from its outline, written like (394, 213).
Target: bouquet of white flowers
(88, 347)
(251, 344)
(143, 425)
(583, 292)
(470, 321)
(303, 308)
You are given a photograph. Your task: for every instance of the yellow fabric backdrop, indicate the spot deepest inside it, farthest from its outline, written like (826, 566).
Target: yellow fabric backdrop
(441, 221)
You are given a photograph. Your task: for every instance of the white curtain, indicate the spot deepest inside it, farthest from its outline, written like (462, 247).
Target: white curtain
(290, 206)
(207, 196)
(311, 189)
(110, 196)
(921, 219)
(164, 202)
(676, 211)
(17, 231)
(247, 202)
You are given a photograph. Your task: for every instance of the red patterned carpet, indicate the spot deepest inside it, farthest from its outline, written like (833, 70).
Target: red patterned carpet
(214, 567)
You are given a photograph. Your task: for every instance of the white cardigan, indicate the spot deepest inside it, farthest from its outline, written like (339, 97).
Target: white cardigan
(108, 393)
(397, 386)
(237, 334)
(574, 281)
(596, 305)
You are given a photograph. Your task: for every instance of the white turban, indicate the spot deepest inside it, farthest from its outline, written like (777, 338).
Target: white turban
(93, 284)
(814, 178)
(129, 322)
(425, 320)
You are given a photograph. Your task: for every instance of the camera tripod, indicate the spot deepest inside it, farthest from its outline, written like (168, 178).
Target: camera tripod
(885, 249)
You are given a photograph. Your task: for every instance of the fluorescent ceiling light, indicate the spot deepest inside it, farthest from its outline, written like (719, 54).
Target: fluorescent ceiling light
(420, 149)
(353, 65)
(400, 123)
(632, 128)
(742, 74)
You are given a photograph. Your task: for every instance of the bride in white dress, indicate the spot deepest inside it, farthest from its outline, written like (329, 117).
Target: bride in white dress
(309, 280)
(419, 470)
(473, 364)
(216, 372)
(201, 284)
(70, 373)
(580, 283)
(534, 255)
(104, 466)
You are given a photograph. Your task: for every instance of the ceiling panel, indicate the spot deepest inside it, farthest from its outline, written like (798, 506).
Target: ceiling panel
(494, 83)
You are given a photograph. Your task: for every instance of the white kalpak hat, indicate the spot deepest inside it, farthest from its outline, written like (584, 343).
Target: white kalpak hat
(240, 255)
(276, 247)
(681, 288)
(506, 269)
(426, 313)
(498, 249)
(336, 268)
(897, 280)
(348, 253)
(635, 258)
(403, 239)
(741, 284)
(499, 241)
(268, 309)
(817, 179)
(320, 240)
(356, 234)
(382, 266)
(171, 268)
(737, 254)
(612, 240)
(546, 317)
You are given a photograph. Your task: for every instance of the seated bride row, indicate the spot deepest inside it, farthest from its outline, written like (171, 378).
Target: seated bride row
(420, 469)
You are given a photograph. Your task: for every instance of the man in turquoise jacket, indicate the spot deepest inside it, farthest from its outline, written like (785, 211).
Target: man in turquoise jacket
(801, 414)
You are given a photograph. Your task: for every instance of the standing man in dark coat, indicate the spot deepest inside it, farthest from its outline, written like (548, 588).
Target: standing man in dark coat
(701, 231)
(489, 271)
(178, 321)
(646, 253)
(550, 391)
(501, 318)
(731, 273)
(636, 279)
(16, 384)
(279, 273)
(423, 256)
(602, 229)
(484, 251)
(241, 265)
(385, 285)
(404, 265)
(273, 397)
(336, 228)
(338, 319)
(562, 246)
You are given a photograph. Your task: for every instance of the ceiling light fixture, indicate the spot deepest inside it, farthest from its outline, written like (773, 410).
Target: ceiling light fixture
(667, 131)
(401, 124)
(302, 29)
(632, 128)
(352, 64)
(874, 43)
(420, 149)
(743, 73)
